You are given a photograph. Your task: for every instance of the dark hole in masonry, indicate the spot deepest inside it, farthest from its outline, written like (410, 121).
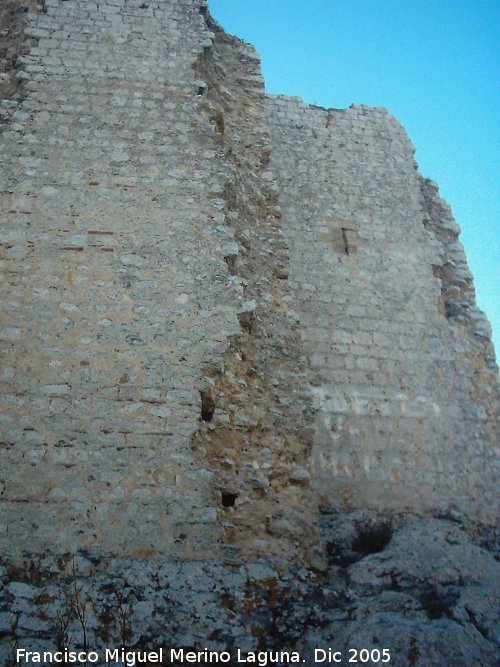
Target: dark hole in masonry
(231, 263)
(437, 602)
(207, 405)
(246, 321)
(372, 539)
(228, 498)
(201, 91)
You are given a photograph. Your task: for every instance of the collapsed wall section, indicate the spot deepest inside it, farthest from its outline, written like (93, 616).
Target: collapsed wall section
(116, 294)
(258, 440)
(406, 393)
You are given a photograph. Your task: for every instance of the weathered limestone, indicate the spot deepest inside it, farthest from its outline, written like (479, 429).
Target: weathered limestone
(428, 595)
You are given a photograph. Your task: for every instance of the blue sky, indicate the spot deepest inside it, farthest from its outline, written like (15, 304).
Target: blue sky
(434, 64)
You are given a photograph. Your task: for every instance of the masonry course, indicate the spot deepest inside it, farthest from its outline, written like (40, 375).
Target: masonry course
(240, 344)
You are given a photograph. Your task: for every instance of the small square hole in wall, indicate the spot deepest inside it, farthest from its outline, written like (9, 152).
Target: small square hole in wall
(228, 498)
(342, 236)
(207, 405)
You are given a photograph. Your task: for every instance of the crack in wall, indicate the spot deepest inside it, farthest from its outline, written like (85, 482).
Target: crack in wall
(259, 442)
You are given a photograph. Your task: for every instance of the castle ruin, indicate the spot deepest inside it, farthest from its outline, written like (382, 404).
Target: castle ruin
(226, 315)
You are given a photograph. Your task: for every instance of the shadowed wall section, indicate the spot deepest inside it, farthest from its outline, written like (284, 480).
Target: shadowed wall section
(401, 365)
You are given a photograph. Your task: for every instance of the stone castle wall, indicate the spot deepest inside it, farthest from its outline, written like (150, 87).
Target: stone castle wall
(401, 367)
(117, 295)
(211, 330)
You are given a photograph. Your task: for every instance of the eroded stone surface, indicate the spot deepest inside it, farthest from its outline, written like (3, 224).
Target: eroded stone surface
(428, 596)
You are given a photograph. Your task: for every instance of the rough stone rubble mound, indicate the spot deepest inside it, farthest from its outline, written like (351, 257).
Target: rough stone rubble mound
(248, 400)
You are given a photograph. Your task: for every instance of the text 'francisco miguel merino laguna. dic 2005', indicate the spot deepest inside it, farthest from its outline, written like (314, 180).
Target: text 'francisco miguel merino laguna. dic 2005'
(182, 656)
